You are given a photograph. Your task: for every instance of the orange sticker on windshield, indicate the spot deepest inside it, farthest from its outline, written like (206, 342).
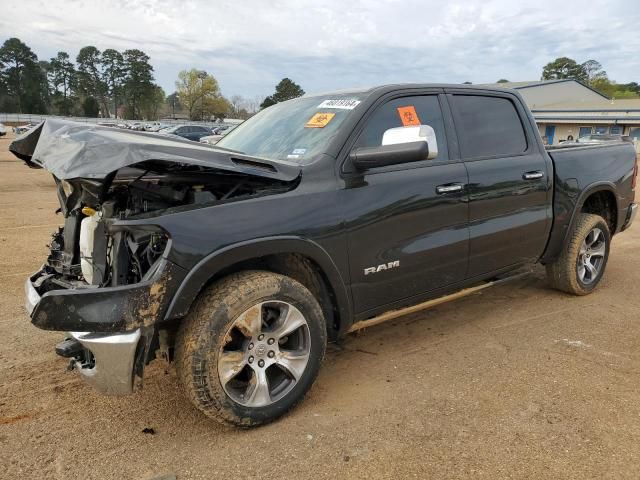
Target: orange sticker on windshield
(320, 120)
(408, 116)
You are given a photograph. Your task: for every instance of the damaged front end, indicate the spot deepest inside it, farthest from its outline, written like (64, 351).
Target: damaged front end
(109, 276)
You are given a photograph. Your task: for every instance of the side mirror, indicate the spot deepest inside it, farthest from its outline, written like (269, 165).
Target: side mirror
(399, 145)
(364, 158)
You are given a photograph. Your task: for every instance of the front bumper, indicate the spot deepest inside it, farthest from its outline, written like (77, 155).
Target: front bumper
(108, 363)
(106, 309)
(114, 325)
(631, 215)
(111, 370)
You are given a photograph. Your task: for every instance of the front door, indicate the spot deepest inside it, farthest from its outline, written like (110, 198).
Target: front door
(550, 133)
(510, 190)
(406, 233)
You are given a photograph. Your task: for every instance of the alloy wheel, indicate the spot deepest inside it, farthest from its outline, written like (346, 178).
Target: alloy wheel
(265, 353)
(591, 256)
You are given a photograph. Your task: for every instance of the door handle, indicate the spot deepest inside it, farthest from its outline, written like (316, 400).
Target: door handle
(449, 188)
(532, 175)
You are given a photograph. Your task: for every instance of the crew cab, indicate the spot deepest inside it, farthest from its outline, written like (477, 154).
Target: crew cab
(318, 215)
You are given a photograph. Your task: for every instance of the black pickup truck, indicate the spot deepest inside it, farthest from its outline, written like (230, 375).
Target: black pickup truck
(317, 215)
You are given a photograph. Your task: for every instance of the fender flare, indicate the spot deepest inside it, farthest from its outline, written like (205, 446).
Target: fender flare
(221, 259)
(556, 246)
(586, 193)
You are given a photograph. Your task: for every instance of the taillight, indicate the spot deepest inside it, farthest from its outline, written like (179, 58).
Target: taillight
(635, 176)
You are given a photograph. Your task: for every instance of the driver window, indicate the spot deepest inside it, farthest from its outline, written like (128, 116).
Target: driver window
(405, 111)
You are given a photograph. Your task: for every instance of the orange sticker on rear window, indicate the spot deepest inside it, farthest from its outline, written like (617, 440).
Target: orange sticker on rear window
(408, 116)
(319, 120)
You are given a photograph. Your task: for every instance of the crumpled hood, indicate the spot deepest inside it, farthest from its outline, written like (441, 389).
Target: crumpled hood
(77, 150)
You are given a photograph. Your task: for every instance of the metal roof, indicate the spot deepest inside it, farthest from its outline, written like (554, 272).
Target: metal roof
(540, 83)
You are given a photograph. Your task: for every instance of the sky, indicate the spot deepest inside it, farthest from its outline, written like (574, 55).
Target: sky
(249, 45)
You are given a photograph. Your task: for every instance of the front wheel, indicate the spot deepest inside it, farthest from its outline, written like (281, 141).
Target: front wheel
(580, 267)
(251, 347)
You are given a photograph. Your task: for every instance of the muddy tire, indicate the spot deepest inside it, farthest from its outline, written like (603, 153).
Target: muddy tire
(250, 348)
(580, 267)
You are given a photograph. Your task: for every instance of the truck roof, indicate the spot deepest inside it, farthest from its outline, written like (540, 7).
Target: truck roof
(382, 89)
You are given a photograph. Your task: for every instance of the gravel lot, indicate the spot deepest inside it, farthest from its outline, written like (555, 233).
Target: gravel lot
(518, 381)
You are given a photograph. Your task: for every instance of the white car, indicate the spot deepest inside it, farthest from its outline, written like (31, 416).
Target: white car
(213, 139)
(3, 130)
(20, 129)
(153, 126)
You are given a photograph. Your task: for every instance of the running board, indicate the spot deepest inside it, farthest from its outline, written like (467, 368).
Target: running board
(390, 315)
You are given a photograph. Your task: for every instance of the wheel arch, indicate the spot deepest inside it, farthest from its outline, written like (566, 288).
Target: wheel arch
(301, 259)
(559, 242)
(600, 199)
(586, 198)
(603, 202)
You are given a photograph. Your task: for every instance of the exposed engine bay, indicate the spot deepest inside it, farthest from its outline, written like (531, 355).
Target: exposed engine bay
(91, 251)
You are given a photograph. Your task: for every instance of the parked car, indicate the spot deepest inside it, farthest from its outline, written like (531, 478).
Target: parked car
(219, 130)
(603, 138)
(3, 130)
(316, 217)
(216, 137)
(154, 126)
(190, 132)
(593, 139)
(20, 129)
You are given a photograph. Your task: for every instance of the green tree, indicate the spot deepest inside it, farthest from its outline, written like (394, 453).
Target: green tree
(90, 77)
(503, 80)
(268, 101)
(200, 95)
(220, 108)
(90, 107)
(154, 102)
(564, 68)
(23, 85)
(138, 83)
(593, 71)
(616, 90)
(285, 90)
(113, 75)
(632, 87)
(62, 77)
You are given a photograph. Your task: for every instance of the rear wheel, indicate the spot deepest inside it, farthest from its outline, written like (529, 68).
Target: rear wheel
(251, 347)
(580, 267)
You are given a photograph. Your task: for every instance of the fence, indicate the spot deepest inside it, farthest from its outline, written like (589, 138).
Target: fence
(14, 119)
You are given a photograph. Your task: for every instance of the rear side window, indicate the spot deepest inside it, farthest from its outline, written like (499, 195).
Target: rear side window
(421, 110)
(488, 126)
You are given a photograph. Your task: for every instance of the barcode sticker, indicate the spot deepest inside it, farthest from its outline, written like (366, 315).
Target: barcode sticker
(344, 104)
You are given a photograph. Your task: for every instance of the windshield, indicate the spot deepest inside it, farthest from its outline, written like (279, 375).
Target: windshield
(296, 130)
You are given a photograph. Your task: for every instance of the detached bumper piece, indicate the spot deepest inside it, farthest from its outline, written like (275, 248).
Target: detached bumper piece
(106, 309)
(631, 215)
(107, 361)
(69, 348)
(110, 328)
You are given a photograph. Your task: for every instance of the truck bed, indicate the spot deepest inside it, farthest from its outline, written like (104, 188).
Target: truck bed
(578, 170)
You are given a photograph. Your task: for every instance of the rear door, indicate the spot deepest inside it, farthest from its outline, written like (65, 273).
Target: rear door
(407, 235)
(183, 132)
(510, 187)
(199, 132)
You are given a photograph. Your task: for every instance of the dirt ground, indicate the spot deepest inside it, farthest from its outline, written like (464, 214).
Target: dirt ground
(518, 381)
